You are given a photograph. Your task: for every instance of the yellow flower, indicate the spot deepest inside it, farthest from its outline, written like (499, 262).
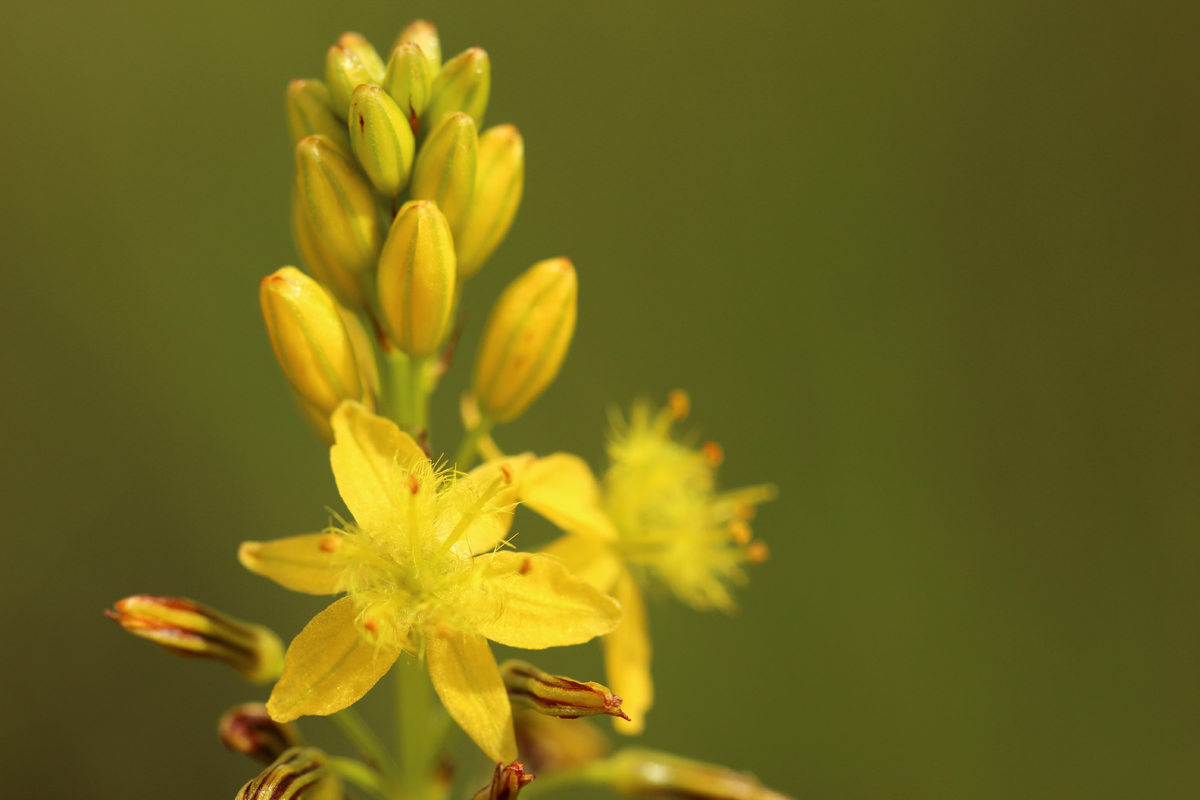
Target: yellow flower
(423, 574)
(657, 517)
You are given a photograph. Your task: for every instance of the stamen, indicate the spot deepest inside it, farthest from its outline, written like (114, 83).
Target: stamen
(471, 514)
(713, 454)
(740, 531)
(331, 543)
(756, 552)
(679, 404)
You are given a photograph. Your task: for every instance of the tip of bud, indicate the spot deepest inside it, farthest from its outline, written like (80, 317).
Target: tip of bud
(679, 404)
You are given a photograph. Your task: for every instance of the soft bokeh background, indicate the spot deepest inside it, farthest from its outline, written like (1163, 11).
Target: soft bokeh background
(929, 266)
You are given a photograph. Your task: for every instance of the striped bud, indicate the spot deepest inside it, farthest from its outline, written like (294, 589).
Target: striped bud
(381, 138)
(445, 168)
(310, 114)
(424, 35)
(299, 772)
(416, 278)
(343, 284)
(499, 181)
(339, 203)
(636, 771)
(310, 340)
(462, 85)
(506, 784)
(407, 81)
(248, 729)
(526, 339)
(191, 629)
(365, 52)
(348, 64)
(531, 688)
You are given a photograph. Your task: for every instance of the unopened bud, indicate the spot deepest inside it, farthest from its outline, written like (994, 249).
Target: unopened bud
(248, 729)
(310, 340)
(364, 352)
(463, 84)
(416, 278)
(343, 284)
(339, 204)
(526, 339)
(506, 783)
(408, 81)
(348, 64)
(381, 138)
(445, 168)
(549, 744)
(191, 629)
(499, 181)
(365, 51)
(424, 35)
(299, 772)
(555, 696)
(646, 772)
(309, 113)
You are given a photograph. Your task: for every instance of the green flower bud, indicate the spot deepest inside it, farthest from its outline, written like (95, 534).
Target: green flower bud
(499, 181)
(339, 204)
(248, 729)
(343, 284)
(408, 81)
(445, 168)
(531, 688)
(348, 64)
(424, 35)
(462, 85)
(526, 339)
(301, 772)
(506, 784)
(636, 771)
(416, 278)
(381, 138)
(310, 114)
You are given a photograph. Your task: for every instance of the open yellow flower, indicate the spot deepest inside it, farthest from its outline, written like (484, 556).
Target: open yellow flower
(657, 517)
(423, 574)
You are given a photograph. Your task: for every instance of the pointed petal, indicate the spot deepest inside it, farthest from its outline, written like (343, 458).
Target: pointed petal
(368, 456)
(329, 666)
(466, 678)
(562, 489)
(301, 563)
(627, 657)
(587, 557)
(541, 604)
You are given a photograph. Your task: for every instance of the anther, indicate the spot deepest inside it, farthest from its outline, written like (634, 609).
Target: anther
(414, 486)
(331, 543)
(740, 532)
(713, 454)
(508, 478)
(678, 405)
(756, 552)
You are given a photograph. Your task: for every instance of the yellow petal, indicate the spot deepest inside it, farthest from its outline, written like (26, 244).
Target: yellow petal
(329, 666)
(491, 526)
(588, 558)
(466, 678)
(368, 456)
(627, 657)
(539, 603)
(562, 489)
(301, 563)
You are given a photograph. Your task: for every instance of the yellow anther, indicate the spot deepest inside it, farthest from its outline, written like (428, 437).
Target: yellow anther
(679, 404)
(756, 552)
(740, 532)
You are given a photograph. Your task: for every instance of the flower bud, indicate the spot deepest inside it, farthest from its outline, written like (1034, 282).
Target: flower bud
(357, 43)
(339, 204)
(190, 629)
(424, 35)
(445, 168)
(381, 138)
(549, 744)
(462, 85)
(343, 284)
(348, 64)
(506, 783)
(310, 340)
(364, 352)
(645, 772)
(248, 729)
(526, 339)
(310, 114)
(408, 82)
(531, 688)
(299, 772)
(416, 278)
(499, 181)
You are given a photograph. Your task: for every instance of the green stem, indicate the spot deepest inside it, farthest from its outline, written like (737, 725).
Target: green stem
(465, 456)
(364, 739)
(418, 743)
(408, 391)
(359, 774)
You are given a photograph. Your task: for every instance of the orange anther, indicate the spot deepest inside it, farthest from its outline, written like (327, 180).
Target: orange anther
(713, 453)
(740, 531)
(331, 543)
(679, 405)
(757, 552)
(413, 485)
(744, 511)
(372, 625)
(508, 479)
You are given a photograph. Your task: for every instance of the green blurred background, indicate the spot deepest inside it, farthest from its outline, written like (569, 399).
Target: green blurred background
(931, 267)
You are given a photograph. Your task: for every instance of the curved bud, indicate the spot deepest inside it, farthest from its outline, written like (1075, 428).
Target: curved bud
(445, 168)
(408, 82)
(310, 340)
(191, 629)
(381, 138)
(345, 71)
(636, 771)
(299, 772)
(506, 784)
(424, 35)
(310, 114)
(462, 85)
(248, 729)
(343, 284)
(339, 204)
(526, 339)
(531, 688)
(499, 181)
(416, 278)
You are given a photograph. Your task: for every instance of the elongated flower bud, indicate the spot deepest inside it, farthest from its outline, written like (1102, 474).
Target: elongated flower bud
(462, 85)
(343, 284)
(499, 181)
(408, 82)
(555, 696)
(424, 35)
(637, 771)
(445, 168)
(339, 204)
(364, 353)
(191, 629)
(348, 64)
(310, 340)
(416, 278)
(248, 729)
(299, 772)
(549, 744)
(357, 43)
(309, 113)
(526, 339)
(506, 784)
(381, 138)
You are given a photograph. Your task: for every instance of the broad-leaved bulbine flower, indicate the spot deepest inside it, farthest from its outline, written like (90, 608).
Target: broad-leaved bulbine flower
(657, 517)
(423, 573)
